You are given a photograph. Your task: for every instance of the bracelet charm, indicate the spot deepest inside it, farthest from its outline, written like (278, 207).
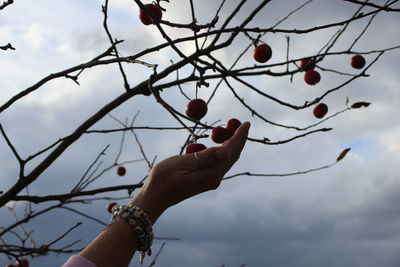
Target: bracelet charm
(133, 215)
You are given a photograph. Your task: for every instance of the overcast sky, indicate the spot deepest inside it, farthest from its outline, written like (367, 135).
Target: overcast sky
(347, 215)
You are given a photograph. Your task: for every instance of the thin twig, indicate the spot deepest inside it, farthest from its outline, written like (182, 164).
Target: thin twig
(11, 146)
(84, 215)
(277, 174)
(365, 28)
(153, 262)
(64, 234)
(77, 186)
(384, 8)
(105, 25)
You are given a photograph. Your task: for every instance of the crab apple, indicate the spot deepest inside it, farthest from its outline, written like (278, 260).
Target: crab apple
(307, 64)
(195, 147)
(232, 126)
(219, 134)
(357, 62)
(121, 171)
(22, 263)
(320, 110)
(262, 53)
(312, 77)
(155, 11)
(110, 206)
(196, 109)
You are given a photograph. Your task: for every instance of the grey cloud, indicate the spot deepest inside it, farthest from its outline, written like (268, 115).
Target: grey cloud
(338, 217)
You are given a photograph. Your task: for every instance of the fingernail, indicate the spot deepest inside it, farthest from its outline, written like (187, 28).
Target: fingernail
(248, 124)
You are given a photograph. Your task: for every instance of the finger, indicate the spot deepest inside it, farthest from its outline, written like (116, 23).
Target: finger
(230, 150)
(209, 157)
(235, 144)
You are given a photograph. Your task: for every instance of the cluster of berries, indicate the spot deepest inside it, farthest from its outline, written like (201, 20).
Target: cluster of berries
(263, 52)
(196, 109)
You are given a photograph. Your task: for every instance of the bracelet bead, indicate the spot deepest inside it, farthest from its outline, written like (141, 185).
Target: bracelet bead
(132, 214)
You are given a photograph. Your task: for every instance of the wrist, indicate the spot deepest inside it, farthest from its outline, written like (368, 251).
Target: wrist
(153, 209)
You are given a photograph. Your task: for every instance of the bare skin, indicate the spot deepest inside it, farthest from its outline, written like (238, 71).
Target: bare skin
(171, 181)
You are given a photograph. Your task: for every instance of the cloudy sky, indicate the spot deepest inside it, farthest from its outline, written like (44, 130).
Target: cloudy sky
(346, 215)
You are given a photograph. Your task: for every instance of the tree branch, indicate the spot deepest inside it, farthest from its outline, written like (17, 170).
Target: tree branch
(5, 4)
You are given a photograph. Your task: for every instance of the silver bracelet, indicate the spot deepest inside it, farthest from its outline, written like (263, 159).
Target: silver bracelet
(131, 214)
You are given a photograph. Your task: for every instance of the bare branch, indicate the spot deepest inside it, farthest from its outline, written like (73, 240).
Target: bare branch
(84, 215)
(7, 46)
(269, 142)
(64, 197)
(5, 4)
(278, 174)
(105, 12)
(64, 234)
(384, 8)
(80, 182)
(153, 262)
(17, 156)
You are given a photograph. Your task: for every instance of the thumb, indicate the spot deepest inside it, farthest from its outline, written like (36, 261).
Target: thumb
(210, 157)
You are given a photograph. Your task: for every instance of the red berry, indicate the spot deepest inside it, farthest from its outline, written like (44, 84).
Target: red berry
(22, 263)
(155, 11)
(219, 134)
(232, 126)
(195, 147)
(196, 109)
(307, 64)
(110, 206)
(121, 171)
(320, 110)
(357, 62)
(312, 77)
(262, 53)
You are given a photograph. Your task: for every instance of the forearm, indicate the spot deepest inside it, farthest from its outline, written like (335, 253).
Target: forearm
(114, 246)
(117, 243)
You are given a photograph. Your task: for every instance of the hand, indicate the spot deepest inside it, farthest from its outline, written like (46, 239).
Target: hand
(180, 177)
(170, 181)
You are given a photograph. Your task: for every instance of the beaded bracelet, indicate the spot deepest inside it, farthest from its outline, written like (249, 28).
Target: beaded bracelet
(145, 235)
